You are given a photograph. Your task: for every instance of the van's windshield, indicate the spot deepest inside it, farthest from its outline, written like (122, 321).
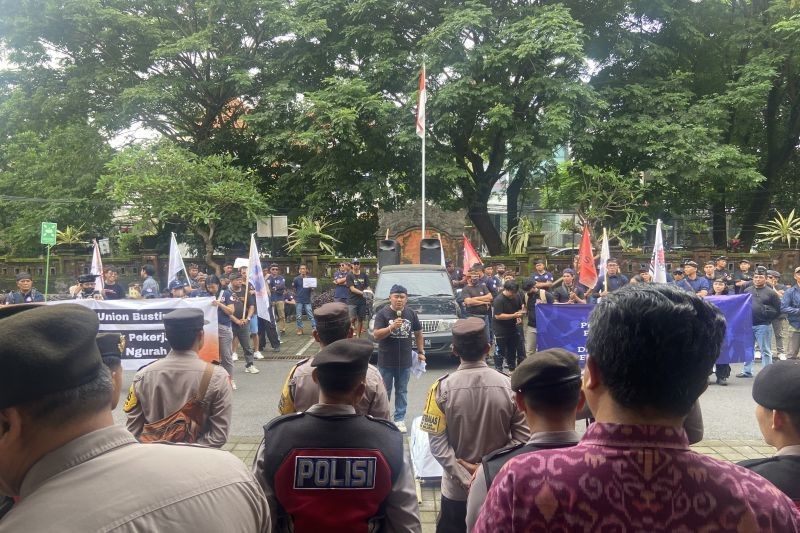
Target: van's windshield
(432, 283)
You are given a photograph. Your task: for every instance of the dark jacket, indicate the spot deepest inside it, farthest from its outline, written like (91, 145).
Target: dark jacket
(766, 304)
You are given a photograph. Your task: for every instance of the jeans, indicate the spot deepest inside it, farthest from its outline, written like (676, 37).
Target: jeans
(400, 377)
(507, 346)
(225, 348)
(763, 335)
(242, 334)
(299, 315)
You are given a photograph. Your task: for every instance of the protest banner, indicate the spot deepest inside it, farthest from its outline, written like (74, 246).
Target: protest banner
(567, 326)
(141, 323)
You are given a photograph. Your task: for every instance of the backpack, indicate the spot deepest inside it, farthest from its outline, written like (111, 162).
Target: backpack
(185, 424)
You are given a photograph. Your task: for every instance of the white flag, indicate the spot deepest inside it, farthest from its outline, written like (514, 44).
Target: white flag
(176, 265)
(255, 275)
(422, 98)
(441, 247)
(658, 268)
(605, 255)
(97, 268)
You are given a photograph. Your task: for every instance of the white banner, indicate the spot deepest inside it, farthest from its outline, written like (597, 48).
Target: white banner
(141, 322)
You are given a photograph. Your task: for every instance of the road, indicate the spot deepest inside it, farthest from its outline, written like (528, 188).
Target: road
(728, 412)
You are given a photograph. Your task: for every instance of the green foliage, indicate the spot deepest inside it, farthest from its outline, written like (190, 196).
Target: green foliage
(71, 236)
(781, 230)
(308, 233)
(519, 236)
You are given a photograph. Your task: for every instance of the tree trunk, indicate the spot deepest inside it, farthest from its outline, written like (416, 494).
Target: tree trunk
(208, 247)
(718, 220)
(479, 215)
(512, 196)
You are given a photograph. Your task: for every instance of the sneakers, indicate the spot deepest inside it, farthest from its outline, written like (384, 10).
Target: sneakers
(722, 381)
(233, 385)
(235, 356)
(278, 349)
(251, 369)
(401, 426)
(744, 375)
(258, 355)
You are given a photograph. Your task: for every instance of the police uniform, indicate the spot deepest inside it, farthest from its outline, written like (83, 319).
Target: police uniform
(103, 480)
(163, 387)
(330, 469)
(468, 414)
(776, 388)
(299, 390)
(545, 369)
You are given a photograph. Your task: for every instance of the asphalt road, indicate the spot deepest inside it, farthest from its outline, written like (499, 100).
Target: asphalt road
(728, 412)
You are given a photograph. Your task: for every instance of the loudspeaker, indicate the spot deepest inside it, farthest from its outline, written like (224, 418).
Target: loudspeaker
(430, 252)
(388, 253)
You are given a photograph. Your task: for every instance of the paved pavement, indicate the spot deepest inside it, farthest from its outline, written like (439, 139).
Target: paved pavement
(731, 431)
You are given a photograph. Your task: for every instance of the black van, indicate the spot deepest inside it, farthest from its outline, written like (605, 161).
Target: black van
(430, 294)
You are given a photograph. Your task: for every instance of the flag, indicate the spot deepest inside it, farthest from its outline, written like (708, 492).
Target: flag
(421, 99)
(176, 265)
(658, 268)
(605, 255)
(587, 272)
(97, 268)
(470, 255)
(255, 276)
(441, 248)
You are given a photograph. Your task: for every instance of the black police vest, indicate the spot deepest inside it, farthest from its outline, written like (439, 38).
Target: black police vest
(494, 461)
(783, 471)
(331, 473)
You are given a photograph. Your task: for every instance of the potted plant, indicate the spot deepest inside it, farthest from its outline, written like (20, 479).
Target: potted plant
(527, 233)
(310, 234)
(71, 239)
(781, 230)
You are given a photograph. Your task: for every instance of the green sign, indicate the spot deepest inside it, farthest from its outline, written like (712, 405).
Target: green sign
(49, 230)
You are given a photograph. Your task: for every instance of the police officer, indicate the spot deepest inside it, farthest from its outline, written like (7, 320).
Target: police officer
(777, 397)
(25, 292)
(111, 346)
(73, 469)
(300, 391)
(468, 414)
(547, 388)
(331, 469)
(165, 386)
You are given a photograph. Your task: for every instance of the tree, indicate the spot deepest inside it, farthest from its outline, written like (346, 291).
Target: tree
(170, 186)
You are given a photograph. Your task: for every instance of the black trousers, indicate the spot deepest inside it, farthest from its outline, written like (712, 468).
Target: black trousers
(452, 517)
(268, 329)
(507, 350)
(723, 371)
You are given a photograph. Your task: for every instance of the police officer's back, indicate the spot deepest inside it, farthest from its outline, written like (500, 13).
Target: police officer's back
(330, 469)
(165, 386)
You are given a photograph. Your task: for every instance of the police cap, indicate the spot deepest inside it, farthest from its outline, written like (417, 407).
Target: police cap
(775, 387)
(331, 313)
(469, 335)
(189, 318)
(46, 349)
(547, 368)
(350, 354)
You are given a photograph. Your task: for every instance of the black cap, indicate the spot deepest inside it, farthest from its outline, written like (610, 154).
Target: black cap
(690, 263)
(539, 262)
(469, 335)
(235, 275)
(643, 269)
(547, 368)
(189, 318)
(744, 261)
(349, 354)
(23, 275)
(760, 270)
(448, 262)
(678, 271)
(87, 278)
(46, 349)
(398, 289)
(721, 258)
(355, 261)
(709, 262)
(775, 387)
(773, 273)
(176, 284)
(331, 313)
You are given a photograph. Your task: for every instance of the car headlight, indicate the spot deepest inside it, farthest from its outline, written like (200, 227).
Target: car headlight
(446, 324)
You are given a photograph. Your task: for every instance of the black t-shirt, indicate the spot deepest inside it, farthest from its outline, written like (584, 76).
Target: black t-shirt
(561, 294)
(395, 350)
(360, 281)
(113, 292)
(238, 302)
(503, 305)
(473, 292)
(533, 301)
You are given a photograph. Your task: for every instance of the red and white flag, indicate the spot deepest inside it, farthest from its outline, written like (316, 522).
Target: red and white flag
(421, 99)
(470, 255)
(587, 271)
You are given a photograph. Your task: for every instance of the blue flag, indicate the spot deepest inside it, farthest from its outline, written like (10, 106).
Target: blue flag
(567, 326)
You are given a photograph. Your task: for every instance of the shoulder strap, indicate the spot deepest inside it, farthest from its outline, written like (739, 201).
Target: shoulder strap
(201, 392)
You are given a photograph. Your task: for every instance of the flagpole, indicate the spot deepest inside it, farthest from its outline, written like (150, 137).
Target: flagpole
(423, 185)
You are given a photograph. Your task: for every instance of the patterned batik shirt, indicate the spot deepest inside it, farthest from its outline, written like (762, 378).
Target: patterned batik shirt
(632, 478)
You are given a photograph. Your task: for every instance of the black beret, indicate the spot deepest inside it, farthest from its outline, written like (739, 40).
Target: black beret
(87, 278)
(331, 313)
(760, 270)
(23, 275)
(46, 349)
(469, 335)
(547, 368)
(189, 318)
(111, 346)
(398, 289)
(350, 354)
(775, 387)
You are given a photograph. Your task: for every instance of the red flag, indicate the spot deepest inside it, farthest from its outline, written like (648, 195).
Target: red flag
(422, 98)
(587, 271)
(470, 255)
